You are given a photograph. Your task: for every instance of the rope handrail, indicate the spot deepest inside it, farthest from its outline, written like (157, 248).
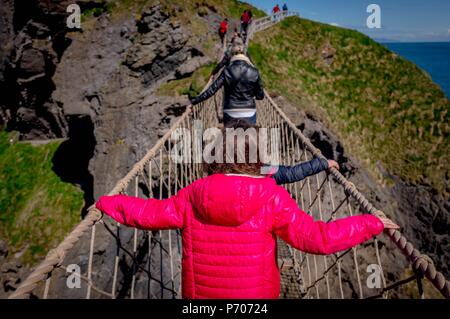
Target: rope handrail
(263, 23)
(294, 141)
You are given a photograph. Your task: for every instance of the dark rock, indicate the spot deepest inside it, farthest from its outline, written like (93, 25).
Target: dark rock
(125, 32)
(161, 47)
(3, 248)
(28, 63)
(10, 282)
(32, 62)
(10, 267)
(190, 66)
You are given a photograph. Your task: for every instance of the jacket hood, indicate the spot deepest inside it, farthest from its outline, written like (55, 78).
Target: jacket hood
(230, 200)
(241, 57)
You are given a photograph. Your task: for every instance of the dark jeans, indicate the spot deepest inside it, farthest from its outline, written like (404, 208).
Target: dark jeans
(244, 27)
(227, 119)
(222, 36)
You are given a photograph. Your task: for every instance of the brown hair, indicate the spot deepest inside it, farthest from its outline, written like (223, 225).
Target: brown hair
(251, 165)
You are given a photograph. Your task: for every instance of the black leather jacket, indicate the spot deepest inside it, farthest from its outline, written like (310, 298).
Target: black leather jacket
(242, 84)
(224, 62)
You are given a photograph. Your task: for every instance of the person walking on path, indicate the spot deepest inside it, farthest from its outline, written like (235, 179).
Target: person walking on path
(276, 9)
(223, 29)
(245, 21)
(276, 12)
(242, 85)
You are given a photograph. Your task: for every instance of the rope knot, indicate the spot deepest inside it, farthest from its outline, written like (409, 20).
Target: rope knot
(97, 215)
(57, 253)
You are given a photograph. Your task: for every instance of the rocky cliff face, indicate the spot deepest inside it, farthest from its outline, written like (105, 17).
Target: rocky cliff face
(33, 41)
(95, 86)
(107, 79)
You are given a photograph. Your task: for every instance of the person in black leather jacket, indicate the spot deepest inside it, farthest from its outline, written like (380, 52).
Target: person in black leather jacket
(228, 55)
(242, 84)
(223, 63)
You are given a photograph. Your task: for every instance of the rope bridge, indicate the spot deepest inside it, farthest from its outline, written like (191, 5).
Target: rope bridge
(148, 264)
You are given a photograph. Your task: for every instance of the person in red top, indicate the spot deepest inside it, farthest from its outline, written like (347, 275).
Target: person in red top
(230, 221)
(223, 29)
(245, 21)
(276, 13)
(276, 9)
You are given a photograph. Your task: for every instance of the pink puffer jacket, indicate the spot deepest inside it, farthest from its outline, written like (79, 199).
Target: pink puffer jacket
(229, 226)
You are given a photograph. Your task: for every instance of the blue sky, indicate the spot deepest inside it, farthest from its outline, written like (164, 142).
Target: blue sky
(401, 20)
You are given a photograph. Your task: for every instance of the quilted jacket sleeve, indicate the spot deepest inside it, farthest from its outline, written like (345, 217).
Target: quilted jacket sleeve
(150, 214)
(293, 174)
(316, 237)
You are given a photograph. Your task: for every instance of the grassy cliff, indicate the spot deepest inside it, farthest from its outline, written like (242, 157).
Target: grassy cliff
(384, 108)
(37, 209)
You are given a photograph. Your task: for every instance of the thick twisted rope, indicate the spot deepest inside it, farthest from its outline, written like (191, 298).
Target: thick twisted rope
(421, 263)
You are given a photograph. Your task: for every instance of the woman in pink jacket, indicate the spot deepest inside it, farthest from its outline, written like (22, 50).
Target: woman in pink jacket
(229, 222)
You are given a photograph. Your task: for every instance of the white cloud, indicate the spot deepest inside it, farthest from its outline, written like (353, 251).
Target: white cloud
(337, 24)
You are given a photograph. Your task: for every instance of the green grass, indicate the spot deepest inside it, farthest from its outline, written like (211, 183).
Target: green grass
(187, 8)
(190, 86)
(94, 12)
(37, 209)
(229, 8)
(383, 108)
(235, 9)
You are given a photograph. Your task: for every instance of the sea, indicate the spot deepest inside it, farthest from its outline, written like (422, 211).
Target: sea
(433, 57)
